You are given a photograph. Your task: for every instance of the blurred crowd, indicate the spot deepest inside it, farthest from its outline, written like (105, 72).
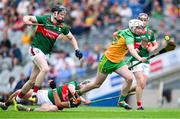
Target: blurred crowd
(91, 21)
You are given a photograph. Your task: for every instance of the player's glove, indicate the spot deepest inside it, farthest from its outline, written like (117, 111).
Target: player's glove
(75, 102)
(74, 99)
(52, 84)
(78, 54)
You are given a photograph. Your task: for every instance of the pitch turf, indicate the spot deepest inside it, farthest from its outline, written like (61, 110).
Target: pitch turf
(95, 113)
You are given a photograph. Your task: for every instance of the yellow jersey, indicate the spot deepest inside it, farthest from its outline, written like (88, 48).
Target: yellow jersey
(118, 48)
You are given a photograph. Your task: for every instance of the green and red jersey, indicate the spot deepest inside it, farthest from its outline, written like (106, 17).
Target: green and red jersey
(47, 33)
(141, 43)
(62, 91)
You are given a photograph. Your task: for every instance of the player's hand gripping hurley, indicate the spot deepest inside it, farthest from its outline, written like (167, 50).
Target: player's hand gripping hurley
(169, 47)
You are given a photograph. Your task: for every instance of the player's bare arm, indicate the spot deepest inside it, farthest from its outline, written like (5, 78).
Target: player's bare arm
(153, 47)
(134, 53)
(73, 40)
(115, 35)
(29, 19)
(74, 43)
(57, 100)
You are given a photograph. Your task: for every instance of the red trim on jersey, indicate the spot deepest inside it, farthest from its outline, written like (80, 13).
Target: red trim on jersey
(65, 92)
(32, 52)
(137, 44)
(46, 32)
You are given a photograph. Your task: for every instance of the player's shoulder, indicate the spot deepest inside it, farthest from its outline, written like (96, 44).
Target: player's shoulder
(127, 33)
(64, 25)
(72, 82)
(46, 16)
(149, 30)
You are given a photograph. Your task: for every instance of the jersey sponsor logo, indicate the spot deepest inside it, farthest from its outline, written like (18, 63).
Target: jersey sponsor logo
(138, 37)
(48, 33)
(65, 92)
(144, 42)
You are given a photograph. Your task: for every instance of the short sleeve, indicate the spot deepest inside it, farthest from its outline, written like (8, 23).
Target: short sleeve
(119, 33)
(72, 83)
(40, 19)
(152, 37)
(65, 29)
(75, 84)
(129, 40)
(129, 37)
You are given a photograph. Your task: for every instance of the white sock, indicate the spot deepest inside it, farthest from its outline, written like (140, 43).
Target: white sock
(34, 94)
(18, 99)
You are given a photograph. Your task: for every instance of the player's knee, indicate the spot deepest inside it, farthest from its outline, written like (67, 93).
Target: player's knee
(31, 82)
(50, 108)
(96, 85)
(143, 85)
(45, 69)
(53, 109)
(129, 79)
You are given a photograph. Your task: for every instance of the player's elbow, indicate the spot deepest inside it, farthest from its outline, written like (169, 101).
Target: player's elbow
(155, 45)
(115, 34)
(131, 50)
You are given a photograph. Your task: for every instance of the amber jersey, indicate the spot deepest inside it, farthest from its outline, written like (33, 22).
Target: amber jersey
(118, 48)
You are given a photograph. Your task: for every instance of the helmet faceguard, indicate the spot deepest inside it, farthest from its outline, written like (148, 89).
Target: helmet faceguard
(61, 10)
(136, 26)
(143, 16)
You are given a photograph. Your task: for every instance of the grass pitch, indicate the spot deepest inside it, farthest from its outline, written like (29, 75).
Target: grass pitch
(84, 112)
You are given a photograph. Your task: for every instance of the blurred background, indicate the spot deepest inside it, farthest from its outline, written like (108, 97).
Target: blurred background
(92, 22)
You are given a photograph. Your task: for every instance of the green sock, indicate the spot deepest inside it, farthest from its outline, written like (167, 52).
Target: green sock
(122, 98)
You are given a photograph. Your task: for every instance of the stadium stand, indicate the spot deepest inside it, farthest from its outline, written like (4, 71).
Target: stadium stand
(91, 22)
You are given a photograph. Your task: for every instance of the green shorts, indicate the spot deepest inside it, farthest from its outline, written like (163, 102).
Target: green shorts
(107, 67)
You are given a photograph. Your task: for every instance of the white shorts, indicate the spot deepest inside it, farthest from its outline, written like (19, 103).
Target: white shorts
(33, 51)
(42, 96)
(141, 67)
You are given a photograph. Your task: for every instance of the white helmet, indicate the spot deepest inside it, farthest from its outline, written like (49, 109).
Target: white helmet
(135, 23)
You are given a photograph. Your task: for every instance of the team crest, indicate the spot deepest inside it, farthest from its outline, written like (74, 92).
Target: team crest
(144, 42)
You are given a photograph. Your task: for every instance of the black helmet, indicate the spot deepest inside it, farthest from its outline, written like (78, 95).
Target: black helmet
(59, 8)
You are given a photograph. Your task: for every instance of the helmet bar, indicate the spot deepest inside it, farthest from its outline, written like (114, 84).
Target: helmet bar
(143, 16)
(59, 8)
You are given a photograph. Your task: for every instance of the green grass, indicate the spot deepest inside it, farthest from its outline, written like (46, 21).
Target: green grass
(95, 113)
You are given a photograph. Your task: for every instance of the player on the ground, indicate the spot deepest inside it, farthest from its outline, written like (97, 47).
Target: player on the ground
(113, 60)
(51, 100)
(144, 44)
(51, 27)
